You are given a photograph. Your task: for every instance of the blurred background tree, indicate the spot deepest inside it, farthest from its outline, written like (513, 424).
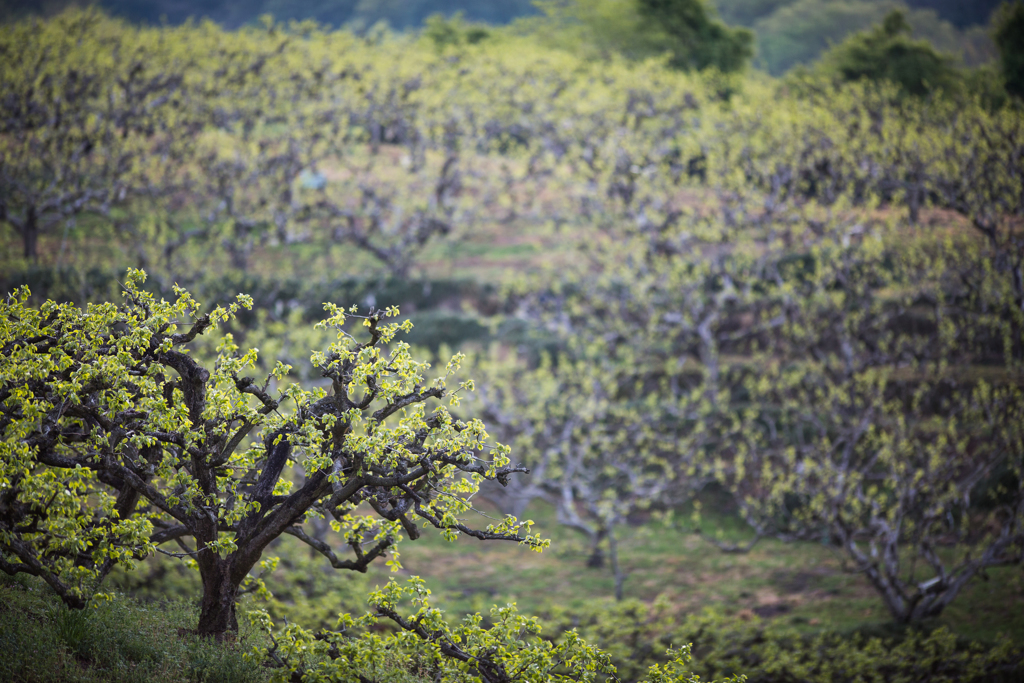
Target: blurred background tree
(1008, 28)
(798, 32)
(696, 38)
(887, 52)
(688, 30)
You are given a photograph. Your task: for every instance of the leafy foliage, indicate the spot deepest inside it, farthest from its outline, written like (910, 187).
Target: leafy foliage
(886, 52)
(801, 32)
(687, 29)
(87, 115)
(746, 12)
(698, 41)
(842, 333)
(454, 31)
(807, 292)
(93, 105)
(1009, 22)
(634, 634)
(508, 650)
(106, 458)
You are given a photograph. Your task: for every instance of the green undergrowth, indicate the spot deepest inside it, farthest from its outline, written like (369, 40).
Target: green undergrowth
(119, 640)
(802, 585)
(782, 612)
(634, 633)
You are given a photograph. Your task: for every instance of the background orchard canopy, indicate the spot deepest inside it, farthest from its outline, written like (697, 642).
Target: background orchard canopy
(721, 310)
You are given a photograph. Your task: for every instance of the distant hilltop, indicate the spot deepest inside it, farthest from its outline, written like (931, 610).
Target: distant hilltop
(404, 14)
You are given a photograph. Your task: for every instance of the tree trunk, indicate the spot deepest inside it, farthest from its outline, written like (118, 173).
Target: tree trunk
(596, 559)
(898, 607)
(709, 355)
(217, 610)
(30, 235)
(613, 551)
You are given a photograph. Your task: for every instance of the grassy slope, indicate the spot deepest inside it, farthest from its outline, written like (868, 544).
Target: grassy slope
(122, 640)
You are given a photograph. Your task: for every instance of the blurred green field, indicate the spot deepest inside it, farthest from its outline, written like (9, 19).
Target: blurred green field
(800, 584)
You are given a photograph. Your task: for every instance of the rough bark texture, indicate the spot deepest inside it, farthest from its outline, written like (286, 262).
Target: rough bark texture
(217, 608)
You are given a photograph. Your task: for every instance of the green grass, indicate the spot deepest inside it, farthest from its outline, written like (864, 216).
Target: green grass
(121, 640)
(805, 585)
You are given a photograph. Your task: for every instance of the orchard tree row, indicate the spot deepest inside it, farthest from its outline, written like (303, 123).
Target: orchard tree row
(196, 148)
(809, 293)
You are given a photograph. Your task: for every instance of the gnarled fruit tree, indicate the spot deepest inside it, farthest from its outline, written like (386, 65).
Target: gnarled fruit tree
(117, 438)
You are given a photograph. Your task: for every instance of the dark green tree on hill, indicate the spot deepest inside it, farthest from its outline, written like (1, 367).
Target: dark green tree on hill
(696, 37)
(689, 31)
(887, 52)
(1009, 37)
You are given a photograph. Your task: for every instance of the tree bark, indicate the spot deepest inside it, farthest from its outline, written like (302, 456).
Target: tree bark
(217, 610)
(613, 551)
(596, 559)
(30, 235)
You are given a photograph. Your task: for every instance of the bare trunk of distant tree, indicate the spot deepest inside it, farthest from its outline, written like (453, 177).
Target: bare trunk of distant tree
(30, 234)
(596, 559)
(613, 552)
